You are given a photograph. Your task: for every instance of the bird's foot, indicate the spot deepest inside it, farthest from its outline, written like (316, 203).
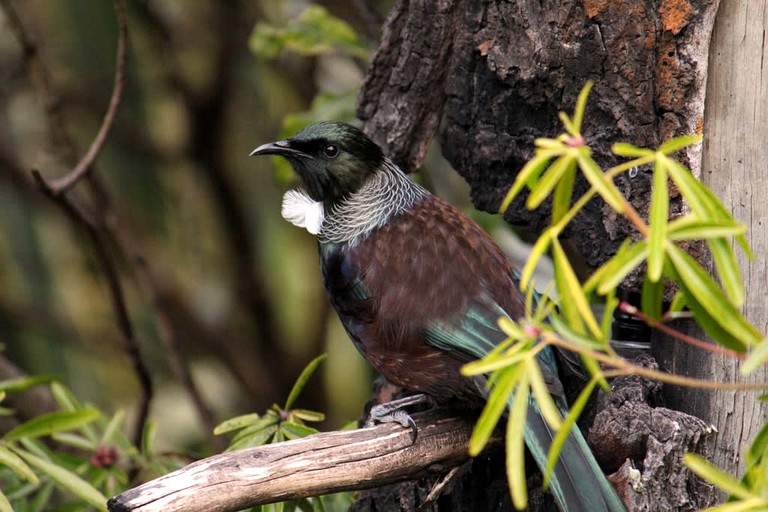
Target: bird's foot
(394, 412)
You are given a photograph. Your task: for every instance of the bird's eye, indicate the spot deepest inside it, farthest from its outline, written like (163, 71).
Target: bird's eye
(331, 150)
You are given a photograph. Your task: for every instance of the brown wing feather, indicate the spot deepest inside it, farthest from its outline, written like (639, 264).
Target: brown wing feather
(423, 266)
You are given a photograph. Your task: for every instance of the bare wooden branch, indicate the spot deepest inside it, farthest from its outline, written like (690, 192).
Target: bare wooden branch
(315, 465)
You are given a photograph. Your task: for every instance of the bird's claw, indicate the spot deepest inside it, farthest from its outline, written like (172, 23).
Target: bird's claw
(393, 412)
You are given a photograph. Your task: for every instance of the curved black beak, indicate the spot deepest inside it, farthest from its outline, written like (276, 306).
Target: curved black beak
(281, 147)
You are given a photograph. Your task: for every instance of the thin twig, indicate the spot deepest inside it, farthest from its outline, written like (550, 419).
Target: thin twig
(624, 367)
(39, 76)
(117, 296)
(63, 184)
(685, 338)
(167, 334)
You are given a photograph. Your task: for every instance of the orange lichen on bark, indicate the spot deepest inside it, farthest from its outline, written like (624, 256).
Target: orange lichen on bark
(675, 15)
(594, 7)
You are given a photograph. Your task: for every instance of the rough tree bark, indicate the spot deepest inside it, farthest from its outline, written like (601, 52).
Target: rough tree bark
(486, 77)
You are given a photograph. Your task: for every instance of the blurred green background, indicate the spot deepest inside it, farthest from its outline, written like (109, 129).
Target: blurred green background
(239, 288)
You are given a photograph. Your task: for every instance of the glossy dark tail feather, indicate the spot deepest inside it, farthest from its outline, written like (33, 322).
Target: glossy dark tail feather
(578, 484)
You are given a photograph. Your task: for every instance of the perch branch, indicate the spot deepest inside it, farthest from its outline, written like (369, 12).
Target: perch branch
(315, 465)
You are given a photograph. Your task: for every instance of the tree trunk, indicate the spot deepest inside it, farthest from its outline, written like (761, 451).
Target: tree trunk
(491, 76)
(734, 163)
(487, 77)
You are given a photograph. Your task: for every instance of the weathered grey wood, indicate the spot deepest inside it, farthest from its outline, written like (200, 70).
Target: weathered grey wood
(735, 166)
(318, 464)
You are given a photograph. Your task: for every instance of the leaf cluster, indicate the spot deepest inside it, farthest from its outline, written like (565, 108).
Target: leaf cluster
(77, 452)
(283, 424)
(658, 250)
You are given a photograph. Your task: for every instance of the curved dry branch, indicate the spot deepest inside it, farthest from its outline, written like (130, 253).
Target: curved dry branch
(64, 183)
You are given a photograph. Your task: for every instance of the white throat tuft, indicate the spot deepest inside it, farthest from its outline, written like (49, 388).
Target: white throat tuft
(301, 210)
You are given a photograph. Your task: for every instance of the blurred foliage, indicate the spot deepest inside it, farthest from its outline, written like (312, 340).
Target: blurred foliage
(313, 32)
(72, 458)
(204, 258)
(278, 423)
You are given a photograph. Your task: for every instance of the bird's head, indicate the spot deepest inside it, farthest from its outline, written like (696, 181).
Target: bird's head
(333, 159)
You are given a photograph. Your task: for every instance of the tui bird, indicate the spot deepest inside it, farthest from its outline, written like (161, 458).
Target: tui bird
(419, 287)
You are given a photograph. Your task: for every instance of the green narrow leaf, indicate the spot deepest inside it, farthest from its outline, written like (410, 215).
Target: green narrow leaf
(510, 328)
(262, 437)
(148, 436)
(5, 505)
(488, 365)
(547, 143)
(703, 201)
(565, 331)
(606, 323)
(267, 421)
(64, 397)
(678, 303)
(721, 479)
(494, 407)
(627, 258)
(569, 126)
(542, 395)
(527, 176)
(113, 427)
(75, 440)
(24, 383)
(629, 151)
(293, 430)
(690, 227)
(601, 183)
(17, 465)
(759, 447)
(550, 179)
(302, 380)
(581, 105)
(67, 480)
(593, 368)
(755, 504)
(515, 444)
(561, 201)
(679, 143)
(570, 420)
(47, 424)
(307, 415)
(652, 298)
(727, 270)
(757, 357)
(235, 423)
(537, 251)
(659, 217)
(713, 329)
(569, 290)
(703, 289)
